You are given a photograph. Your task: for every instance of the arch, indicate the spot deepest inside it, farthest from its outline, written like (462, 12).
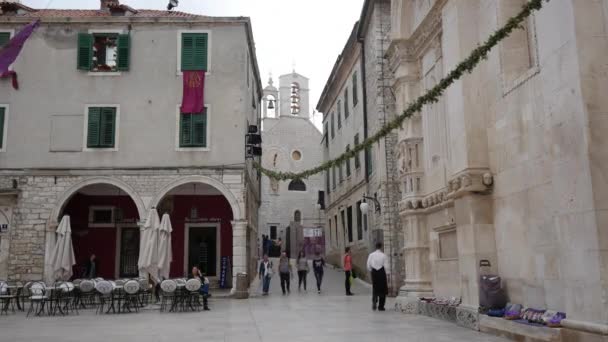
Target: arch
(67, 195)
(234, 204)
(297, 185)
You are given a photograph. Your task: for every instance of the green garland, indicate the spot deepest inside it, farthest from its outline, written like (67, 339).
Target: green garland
(432, 96)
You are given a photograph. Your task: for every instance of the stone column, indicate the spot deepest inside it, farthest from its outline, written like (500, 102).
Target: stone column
(417, 265)
(239, 250)
(476, 241)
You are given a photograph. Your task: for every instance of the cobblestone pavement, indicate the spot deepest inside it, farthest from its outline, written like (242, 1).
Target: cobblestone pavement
(300, 316)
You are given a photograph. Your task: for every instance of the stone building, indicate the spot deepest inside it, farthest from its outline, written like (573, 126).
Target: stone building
(95, 132)
(509, 165)
(356, 102)
(291, 142)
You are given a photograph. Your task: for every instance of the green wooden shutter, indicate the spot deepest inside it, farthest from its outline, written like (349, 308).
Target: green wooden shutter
(108, 127)
(194, 51)
(93, 129)
(185, 130)
(199, 125)
(85, 51)
(5, 37)
(2, 127)
(124, 52)
(200, 51)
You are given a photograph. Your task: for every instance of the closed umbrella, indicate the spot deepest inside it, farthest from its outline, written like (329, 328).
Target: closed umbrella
(62, 257)
(165, 254)
(148, 254)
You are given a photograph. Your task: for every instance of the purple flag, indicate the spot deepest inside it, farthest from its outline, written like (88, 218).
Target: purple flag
(9, 52)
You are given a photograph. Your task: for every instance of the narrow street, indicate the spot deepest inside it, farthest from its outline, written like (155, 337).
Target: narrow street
(300, 316)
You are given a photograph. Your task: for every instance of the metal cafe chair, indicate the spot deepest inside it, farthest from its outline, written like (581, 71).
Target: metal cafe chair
(168, 288)
(6, 298)
(144, 291)
(131, 295)
(193, 301)
(65, 298)
(38, 298)
(104, 290)
(86, 293)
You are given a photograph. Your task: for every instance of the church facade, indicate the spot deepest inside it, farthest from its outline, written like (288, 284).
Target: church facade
(292, 211)
(509, 166)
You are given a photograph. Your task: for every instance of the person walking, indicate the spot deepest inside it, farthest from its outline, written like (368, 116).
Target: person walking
(318, 263)
(303, 269)
(265, 274)
(348, 268)
(285, 272)
(204, 290)
(377, 264)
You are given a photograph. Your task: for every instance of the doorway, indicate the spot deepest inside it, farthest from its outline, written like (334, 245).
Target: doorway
(129, 252)
(203, 249)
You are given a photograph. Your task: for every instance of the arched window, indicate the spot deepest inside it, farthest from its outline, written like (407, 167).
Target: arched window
(297, 185)
(297, 216)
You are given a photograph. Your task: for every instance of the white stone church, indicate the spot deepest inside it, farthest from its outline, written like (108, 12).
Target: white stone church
(291, 211)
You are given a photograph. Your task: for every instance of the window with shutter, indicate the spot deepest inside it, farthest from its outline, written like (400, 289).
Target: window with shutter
(2, 116)
(194, 51)
(124, 52)
(357, 161)
(339, 113)
(93, 127)
(85, 51)
(347, 162)
(193, 130)
(333, 126)
(108, 126)
(355, 90)
(346, 112)
(4, 38)
(104, 52)
(101, 127)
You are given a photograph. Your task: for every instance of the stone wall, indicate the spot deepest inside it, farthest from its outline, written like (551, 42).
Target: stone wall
(381, 109)
(521, 187)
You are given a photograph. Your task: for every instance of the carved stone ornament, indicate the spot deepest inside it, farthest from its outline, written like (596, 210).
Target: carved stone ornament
(488, 179)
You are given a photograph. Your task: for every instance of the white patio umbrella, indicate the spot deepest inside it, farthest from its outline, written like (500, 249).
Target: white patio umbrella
(165, 254)
(62, 256)
(148, 253)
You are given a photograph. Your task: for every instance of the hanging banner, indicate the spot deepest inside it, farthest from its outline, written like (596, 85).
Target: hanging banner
(223, 272)
(194, 88)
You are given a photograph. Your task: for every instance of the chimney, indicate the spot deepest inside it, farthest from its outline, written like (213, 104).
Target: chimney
(103, 4)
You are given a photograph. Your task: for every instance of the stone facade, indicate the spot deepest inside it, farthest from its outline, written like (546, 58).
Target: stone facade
(362, 61)
(505, 167)
(290, 142)
(45, 157)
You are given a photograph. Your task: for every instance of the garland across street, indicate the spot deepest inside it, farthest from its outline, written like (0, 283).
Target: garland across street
(432, 96)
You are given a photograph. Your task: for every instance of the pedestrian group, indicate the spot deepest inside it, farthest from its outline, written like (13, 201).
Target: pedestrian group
(377, 266)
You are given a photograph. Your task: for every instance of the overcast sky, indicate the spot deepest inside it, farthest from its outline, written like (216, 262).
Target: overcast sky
(309, 33)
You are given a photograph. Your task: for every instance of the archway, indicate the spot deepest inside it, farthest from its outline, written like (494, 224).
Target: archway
(104, 220)
(202, 211)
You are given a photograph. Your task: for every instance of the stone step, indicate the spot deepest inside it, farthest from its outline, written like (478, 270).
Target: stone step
(517, 331)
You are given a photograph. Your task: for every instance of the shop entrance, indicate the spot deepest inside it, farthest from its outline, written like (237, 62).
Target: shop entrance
(203, 249)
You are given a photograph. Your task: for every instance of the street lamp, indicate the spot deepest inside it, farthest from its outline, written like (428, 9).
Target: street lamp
(365, 206)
